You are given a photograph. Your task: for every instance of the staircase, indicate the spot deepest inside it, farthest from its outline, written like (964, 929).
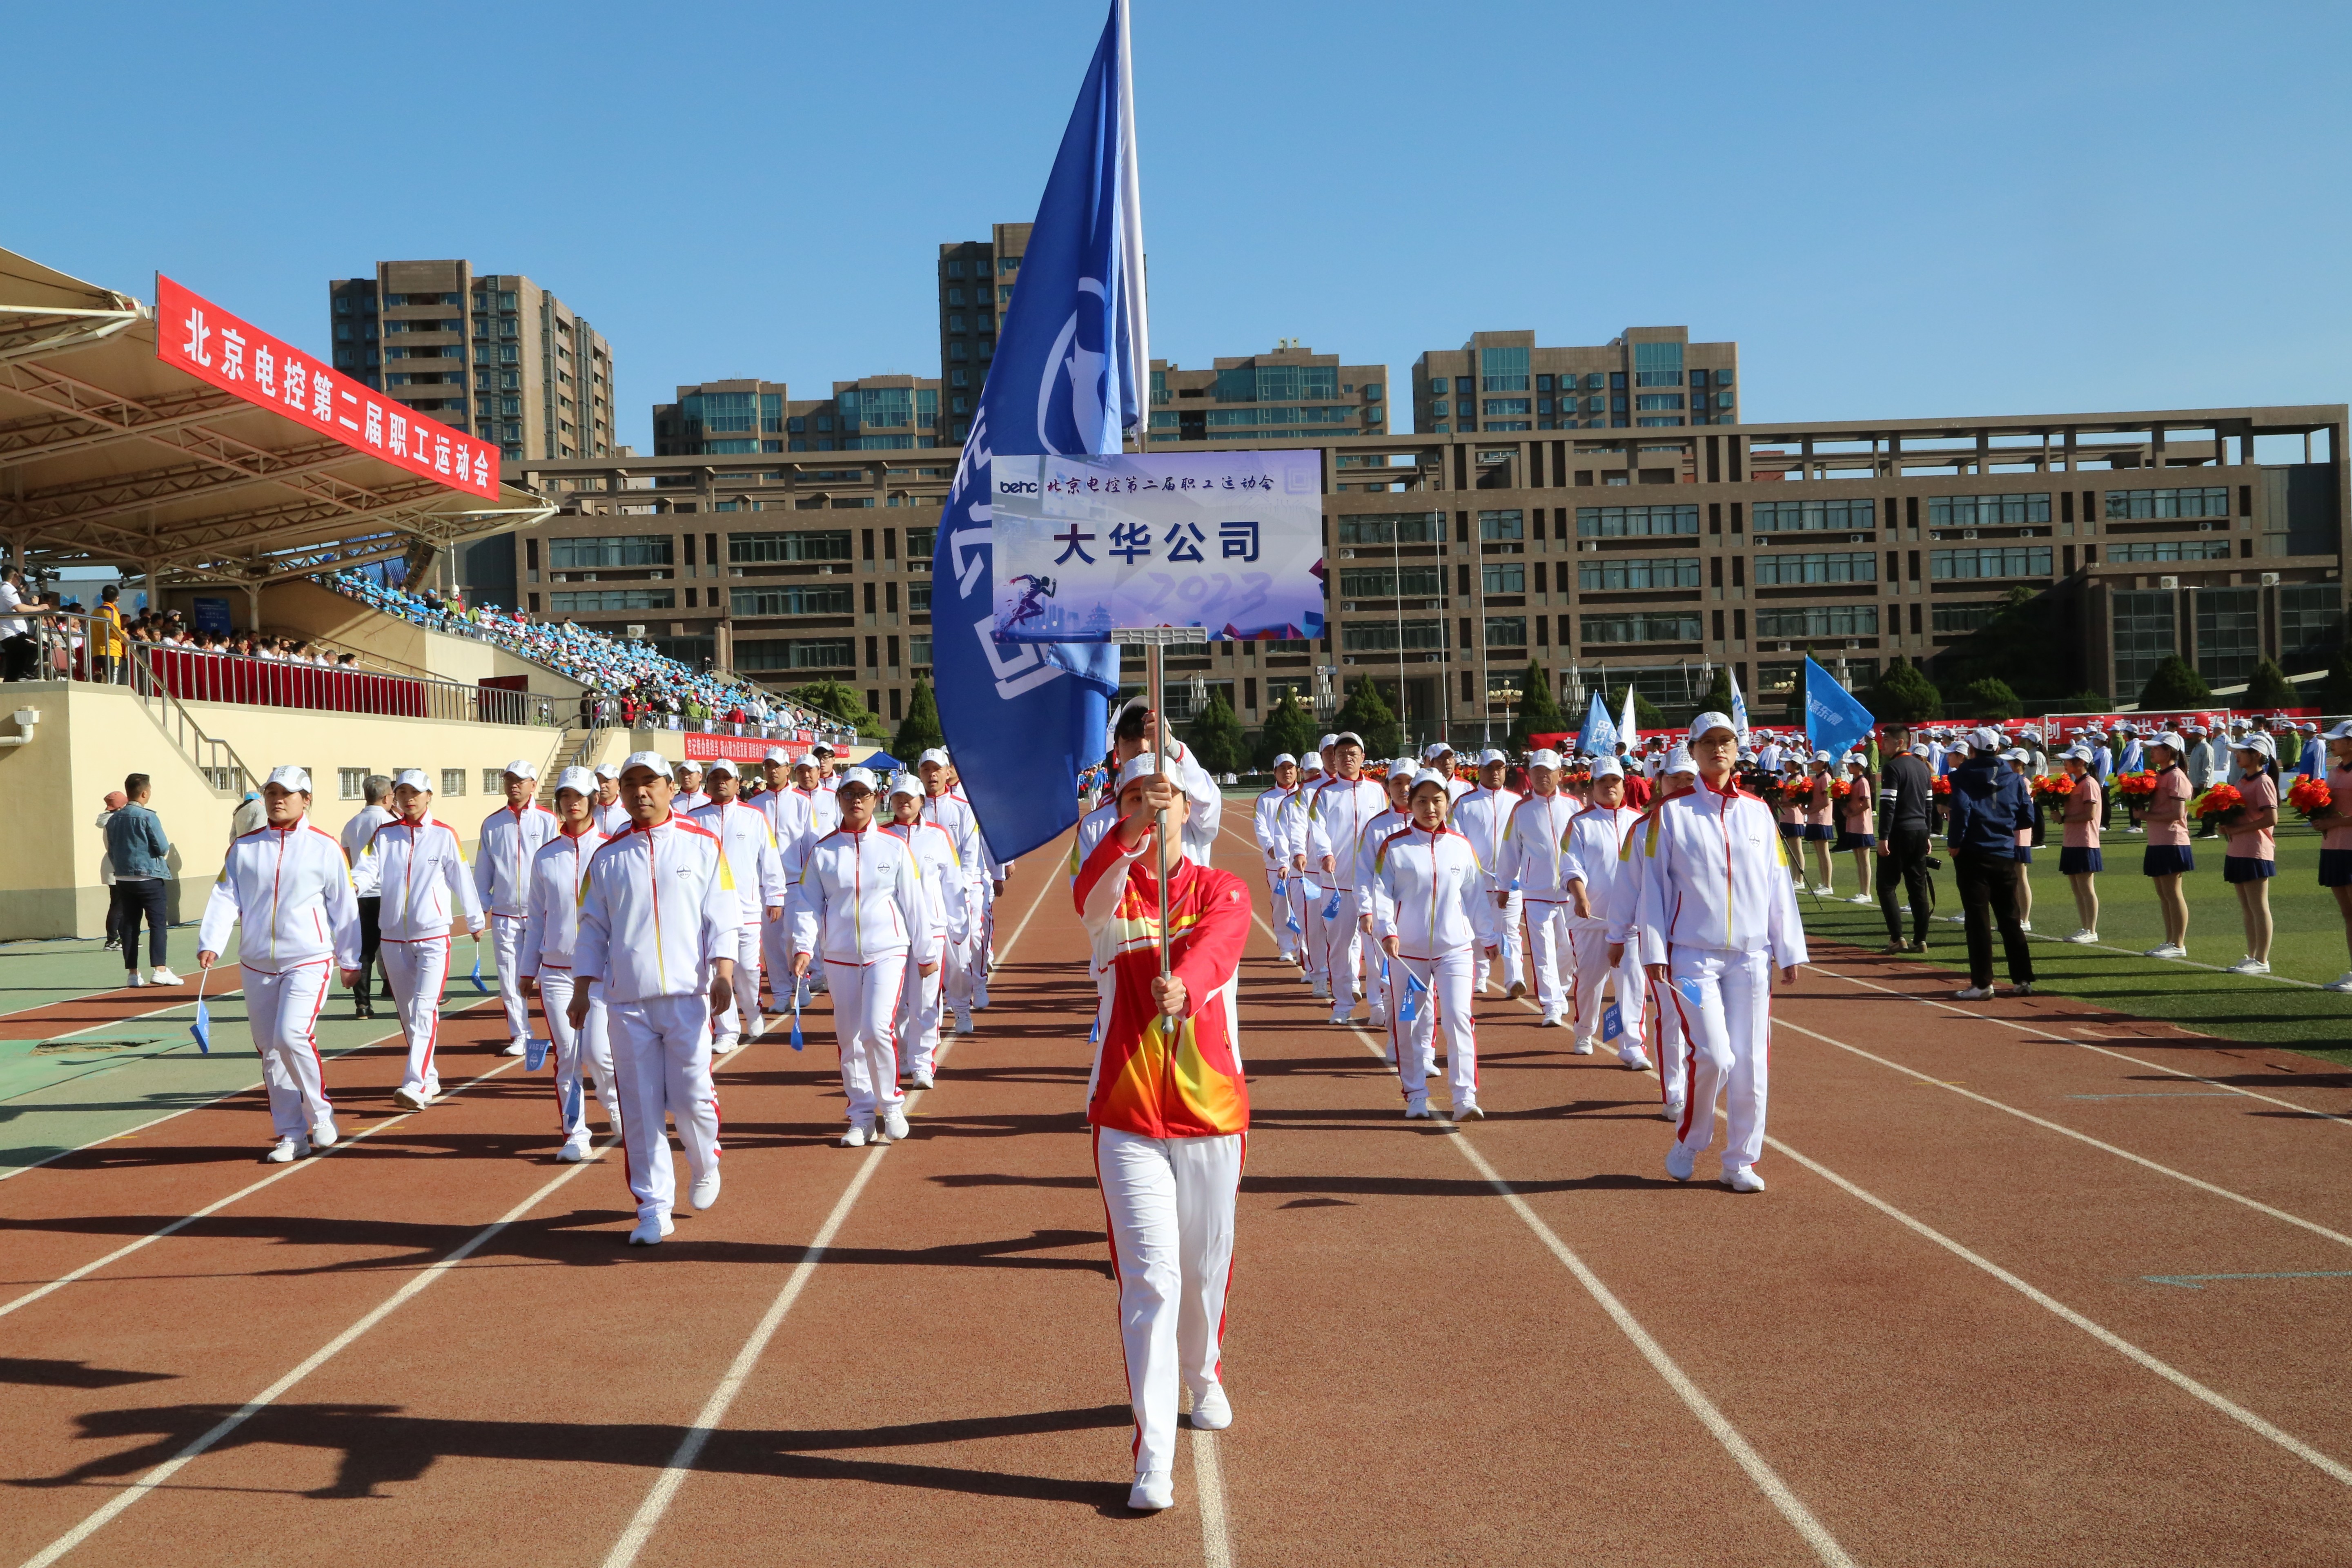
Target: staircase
(573, 749)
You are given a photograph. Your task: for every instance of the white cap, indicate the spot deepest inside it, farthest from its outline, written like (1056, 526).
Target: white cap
(1491, 755)
(2340, 731)
(933, 754)
(1405, 766)
(1678, 761)
(2077, 752)
(607, 771)
(1348, 738)
(2308, 728)
(1856, 760)
(2262, 745)
(1544, 758)
(413, 778)
(1285, 757)
(1143, 764)
(1919, 749)
(907, 785)
(1607, 768)
(523, 768)
(1986, 739)
(580, 781)
(1426, 776)
(823, 749)
(778, 754)
(653, 760)
(687, 765)
(1823, 757)
(290, 777)
(2169, 741)
(1326, 743)
(721, 765)
(855, 776)
(1435, 749)
(1706, 721)
(2017, 754)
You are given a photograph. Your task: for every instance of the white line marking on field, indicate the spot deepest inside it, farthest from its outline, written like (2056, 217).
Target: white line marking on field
(1209, 1481)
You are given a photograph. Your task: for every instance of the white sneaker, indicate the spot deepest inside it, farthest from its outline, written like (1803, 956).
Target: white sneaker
(1957, 920)
(893, 1128)
(1862, 898)
(2083, 938)
(2249, 966)
(408, 1099)
(574, 1150)
(1636, 1057)
(1417, 1109)
(1212, 1412)
(1681, 1162)
(725, 1045)
(132, 979)
(1152, 1492)
(2341, 984)
(1824, 891)
(1583, 1047)
(1485, 987)
(925, 1080)
(323, 1134)
(515, 1048)
(1322, 991)
(855, 1138)
(649, 1232)
(758, 1026)
(706, 1189)
(1744, 1179)
(2025, 925)
(286, 1150)
(1972, 993)
(1548, 1021)
(1380, 1020)
(1467, 1111)
(1670, 1112)
(1348, 1016)
(163, 977)
(2165, 950)
(963, 1020)
(1515, 989)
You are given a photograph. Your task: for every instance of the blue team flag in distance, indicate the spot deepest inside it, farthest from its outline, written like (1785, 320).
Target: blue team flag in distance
(1598, 736)
(1071, 375)
(1835, 721)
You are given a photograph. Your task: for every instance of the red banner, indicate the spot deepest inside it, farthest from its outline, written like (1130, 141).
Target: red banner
(200, 338)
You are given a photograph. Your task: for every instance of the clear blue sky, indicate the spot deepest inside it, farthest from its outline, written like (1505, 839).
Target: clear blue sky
(1898, 211)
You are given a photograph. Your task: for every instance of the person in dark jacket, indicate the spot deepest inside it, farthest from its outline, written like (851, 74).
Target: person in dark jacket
(1989, 802)
(141, 855)
(1905, 794)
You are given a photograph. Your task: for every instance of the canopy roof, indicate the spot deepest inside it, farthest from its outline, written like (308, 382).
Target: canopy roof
(109, 454)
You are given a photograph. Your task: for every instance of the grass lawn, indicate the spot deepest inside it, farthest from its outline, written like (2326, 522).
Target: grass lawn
(2308, 945)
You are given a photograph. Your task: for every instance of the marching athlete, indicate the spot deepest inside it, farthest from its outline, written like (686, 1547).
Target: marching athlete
(551, 931)
(953, 814)
(1335, 825)
(1169, 1110)
(416, 866)
(1480, 814)
(1430, 886)
(918, 1023)
(1678, 775)
(512, 836)
(689, 797)
(859, 901)
(1595, 836)
(659, 925)
(1532, 857)
(612, 817)
(1266, 820)
(1717, 914)
(1385, 988)
(757, 871)
(288, 885)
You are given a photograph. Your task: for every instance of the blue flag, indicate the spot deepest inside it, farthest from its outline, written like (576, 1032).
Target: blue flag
(479, 984)
(1071, 375)
(1835, 721)
(203, 1029)
(1598, 736)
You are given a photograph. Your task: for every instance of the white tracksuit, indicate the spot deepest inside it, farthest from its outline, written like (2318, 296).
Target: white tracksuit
(1289, 916)
(1623, 905)
(1334, 819)
(757, 868)
(1265, 820)
(859, 903)
(1479, 816)
(1429, 888)
(1718, 907)
(657, 910)
(612, 820)
(291, 890)
(952, 814)
(418, 870)
(1532, 857)
(510, 836)
(550, 930)
(1595, 836)
(1383, 982)
(789, 814)
(918, 1023)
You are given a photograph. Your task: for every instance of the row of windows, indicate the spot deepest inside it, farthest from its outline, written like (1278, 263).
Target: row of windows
(1635, 521)
(1641, 572)
(1991, 561)
(1818, 621)
(614, 599)
(1643, 627)
(2209, 501)
(1854, 566)
(1391, 527)
(2171, 550)
(1392, 583)
(1816, 516)
(1592, 382)
(1986, 511)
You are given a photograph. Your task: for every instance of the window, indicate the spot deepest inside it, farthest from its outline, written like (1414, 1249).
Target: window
(1507, 631)
(1986, 511)
(2229, 632)
(1854, 516)
(1637, 571)
(2171, 550)
(1657, 400)
(1502, 370)
(1008, 265)
(1392, 528)
(918, 646)
(614, 599)
(1497, 407)
(799, 653)
(921, 543)
(1501, 525)
(494, 781)
(2310, 624)
(1388, 637)
(918, 598)
(1506, 577)
(830, 546)
(453, 781)
(1392, 582)
(1371, 391)
(1818, 621)
(792, 599)
(1859, 566)
(1965, 618)
(1653, 419)
(1993, 560)
(2209, 502)
(1441, 410)
(1437, 386)
(1654, 627)
(2142, 635)
(1657, 365)
(351, 782)
(1634, 522)
(621, 550)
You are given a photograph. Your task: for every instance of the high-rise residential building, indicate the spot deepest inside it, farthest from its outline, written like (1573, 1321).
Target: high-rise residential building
(540, 380)
(722, 418)
(728, 418)
(1645, 377)
(976, 281)
(1288, 392)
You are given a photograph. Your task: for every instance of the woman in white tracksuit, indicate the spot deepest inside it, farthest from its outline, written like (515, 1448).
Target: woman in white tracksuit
(859, 901)
(1265, 819)
(944, 886)
(1595, 834)
(757, 867)
(414, 864)
(1531, 857)
(1678, 776)
(550, 928)
(1383, 982)
(1428, 884)
(1717, 914)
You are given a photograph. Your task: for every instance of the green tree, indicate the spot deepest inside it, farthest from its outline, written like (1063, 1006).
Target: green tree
(1538, 714)
(1368, 714)
(1991, 698)
(2269, 688)
(2336, 691)
(1215, 736)
(920, 730)
(1719, 696)
(837, 699)
(2174, 686)
(1289, 728)
(2082, 703)
(1902, 693)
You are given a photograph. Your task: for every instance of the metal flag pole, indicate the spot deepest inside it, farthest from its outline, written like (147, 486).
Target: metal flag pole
(1156, 663)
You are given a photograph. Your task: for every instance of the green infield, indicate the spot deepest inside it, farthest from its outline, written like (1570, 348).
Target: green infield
(2308, 945)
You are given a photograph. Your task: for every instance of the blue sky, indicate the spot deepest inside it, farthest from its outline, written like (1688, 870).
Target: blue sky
(1897, 211)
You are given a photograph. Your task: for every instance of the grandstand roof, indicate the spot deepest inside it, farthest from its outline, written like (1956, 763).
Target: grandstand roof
(109, 454)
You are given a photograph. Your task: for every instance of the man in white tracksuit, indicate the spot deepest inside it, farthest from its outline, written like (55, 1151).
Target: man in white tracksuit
(659, 920)
(858, 901)
(1335, 820)
(416, 866)
(610, 816)
(1429, 885)
(1532, 857)
(1595, 836)
(1717, 914)
(757, 869)
(961, 983)
(689, 797)
(551, 931)
(1480, 815)
(1678, 775)
(510, 836)
(289, 887)
(1314, 885)
(944, 885)
(1383, 982)
(785, 804)
(1266, 822)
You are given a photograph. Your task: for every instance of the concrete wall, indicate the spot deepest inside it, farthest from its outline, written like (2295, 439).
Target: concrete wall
(88, 737)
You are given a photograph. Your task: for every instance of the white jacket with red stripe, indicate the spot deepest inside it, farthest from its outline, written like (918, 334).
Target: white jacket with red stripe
(859, 897)
(292, 891)
(658, 905)
(551, 923)
(1712, 876)
(1429, 884)
(418, 869)
(510, 836)
(743, 831)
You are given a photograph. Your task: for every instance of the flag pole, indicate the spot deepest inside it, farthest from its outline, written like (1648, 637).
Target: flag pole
(1156, 667)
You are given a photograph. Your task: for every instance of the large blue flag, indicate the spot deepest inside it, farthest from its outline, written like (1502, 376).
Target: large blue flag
(1071, 375)
(1598, 736)
(1835, 721)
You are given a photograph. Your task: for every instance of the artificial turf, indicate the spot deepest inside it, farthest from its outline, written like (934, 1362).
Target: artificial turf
(2308, 945)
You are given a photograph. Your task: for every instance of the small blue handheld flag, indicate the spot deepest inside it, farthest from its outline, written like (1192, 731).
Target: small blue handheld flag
(1293, 923)
(479, 984)
(202, 1027)
(797, 1042)
(1612, 1022)
(1410, 1008)
(1331, 909)
(534, 1053)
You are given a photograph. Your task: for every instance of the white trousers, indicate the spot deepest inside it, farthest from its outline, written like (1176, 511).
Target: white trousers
(283, 1010)
(1444, 1005)
(957, 985)
(728, 1025)
(917, 1025)
(1628, 982)
(984, 941)
(866, 1001)
(1313, 896)
(1548, 944)
(1343, 949)
(1383, 981)
(776, 950)
(590, 1047)
(1502, 930)
(416, 972)
(506, 942)
(1169, 1204)
(1724, 1000)
(661, 1054)
(1277, 895)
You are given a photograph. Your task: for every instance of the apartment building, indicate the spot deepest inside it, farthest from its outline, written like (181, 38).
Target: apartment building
(730, 418)
(976, 280)
(1289, 393)
(1645, 378)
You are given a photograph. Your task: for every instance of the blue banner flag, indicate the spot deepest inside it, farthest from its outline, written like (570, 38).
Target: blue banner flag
(1835, 721)
(1071, 375)
(1598, 736)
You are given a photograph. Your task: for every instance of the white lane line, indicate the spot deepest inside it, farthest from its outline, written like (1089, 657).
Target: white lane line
(210, 1209)
(2085, 1046)
(713, 1413)
(2203, 1186)
(1209, 1482)
(131, 1019)
(316, 1359)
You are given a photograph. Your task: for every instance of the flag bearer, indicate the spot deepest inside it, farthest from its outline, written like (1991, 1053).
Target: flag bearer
(1430, 890)
(1594, 836)
(417, 868)
(758, 872)
(551, 931)
(510, 836)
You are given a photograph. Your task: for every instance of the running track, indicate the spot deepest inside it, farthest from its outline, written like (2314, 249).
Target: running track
(2033, 1284)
